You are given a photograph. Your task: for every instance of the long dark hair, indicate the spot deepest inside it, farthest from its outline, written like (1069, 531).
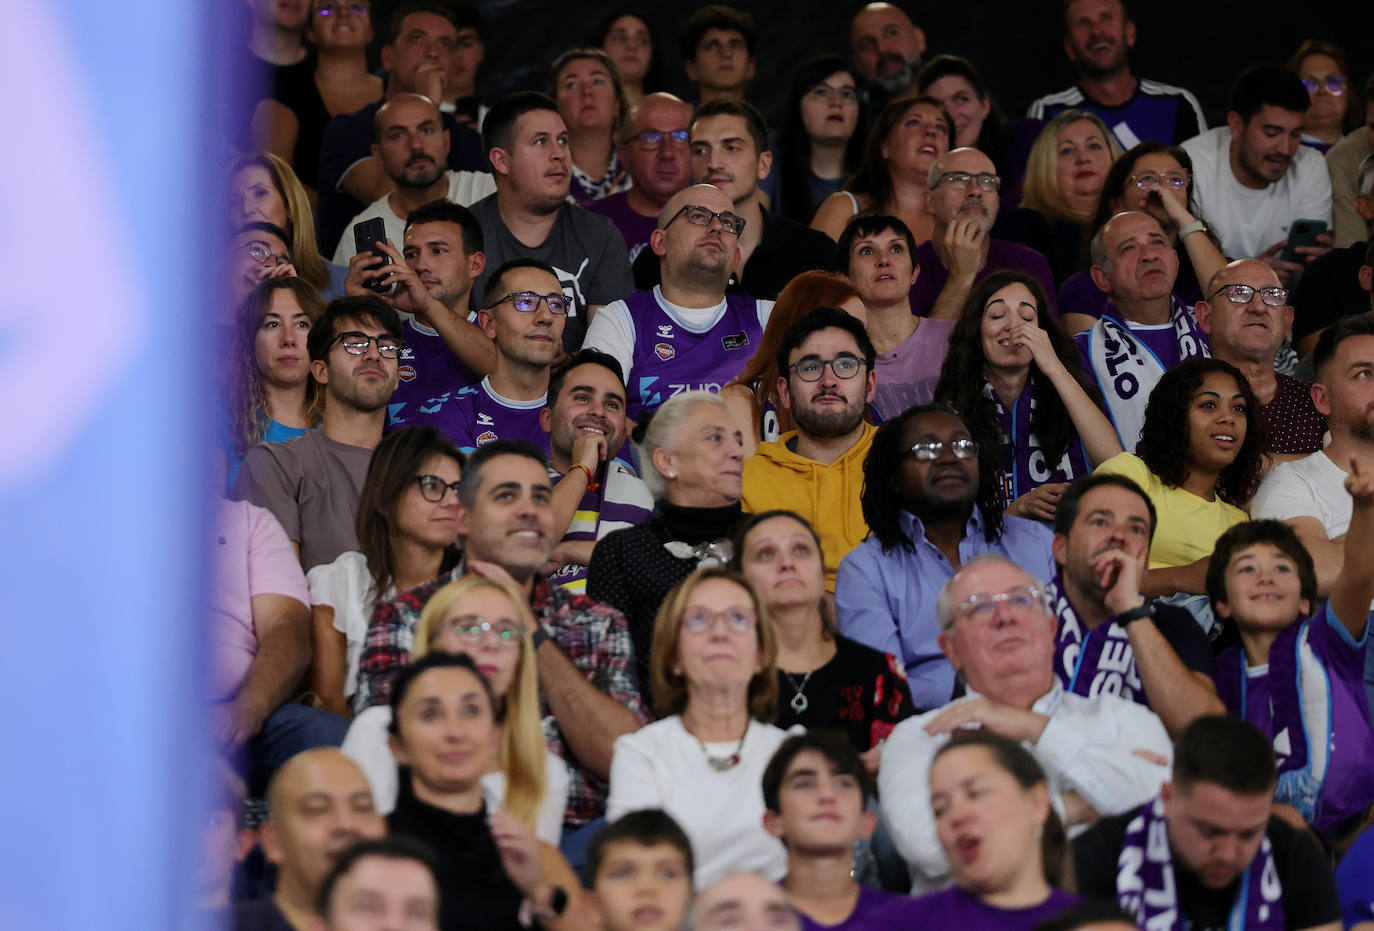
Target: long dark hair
(1165, 443)
(873, 178)
(961, 376)
(1017, 761)
(880, 500)
(1118, 176)
(794, 146)
(395, 462)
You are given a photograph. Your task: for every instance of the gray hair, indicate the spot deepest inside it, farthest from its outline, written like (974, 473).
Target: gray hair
(944, 606)
(1098, 250)
(662, 432)
(1364, 183)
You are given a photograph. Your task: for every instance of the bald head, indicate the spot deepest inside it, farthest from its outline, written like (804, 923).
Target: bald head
(320, 803)
(744, 901)
(887, 47)
(659, 110)
(1245, 332)
(658, 164)
(403, 102)
(698, 195)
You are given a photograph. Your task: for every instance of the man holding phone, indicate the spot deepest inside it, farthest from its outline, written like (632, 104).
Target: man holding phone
(1265, 194)
(412, 145)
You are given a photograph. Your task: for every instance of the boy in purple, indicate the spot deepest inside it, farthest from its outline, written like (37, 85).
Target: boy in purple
(524, 308)
(687, 333)
(816, 792)
(1298, 676)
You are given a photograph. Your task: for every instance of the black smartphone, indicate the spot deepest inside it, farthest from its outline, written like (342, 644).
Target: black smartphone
(366, 236)
(1301, 233)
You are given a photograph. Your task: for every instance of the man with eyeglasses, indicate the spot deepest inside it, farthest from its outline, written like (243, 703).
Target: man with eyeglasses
(587, 685)
(311, 483)
(963, 200)
(932, 505)
(729, 146)
(413, 147)
(1103, 755)
(1253, 176)
(816, 470)
(417, 50)
(1246, 318)
(686, 333)
(653, 149)
(1098, 37)
(529, 215)
(1144, 330)
(523, 311)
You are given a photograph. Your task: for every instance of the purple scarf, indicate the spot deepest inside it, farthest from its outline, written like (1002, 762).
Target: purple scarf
(1024, 466)
(1092, 662)
(1146, 886)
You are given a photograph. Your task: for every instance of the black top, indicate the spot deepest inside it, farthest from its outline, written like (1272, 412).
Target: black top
(1309, 889)
(1329, 290)
(474, 892)
(348, 138)
(861, 691)
(294, 87)
(257, 915)
(1182, 632)
(1062, 243)
(632, 570)
(787, 249)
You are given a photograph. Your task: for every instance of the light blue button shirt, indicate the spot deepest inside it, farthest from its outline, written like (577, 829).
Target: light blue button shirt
(887, 600)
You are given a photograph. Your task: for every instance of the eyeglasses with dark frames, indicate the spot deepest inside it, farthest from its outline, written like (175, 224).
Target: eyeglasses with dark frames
(433, 487)
(355, 343)
(811, 368)
(527, 302)
(700, 216)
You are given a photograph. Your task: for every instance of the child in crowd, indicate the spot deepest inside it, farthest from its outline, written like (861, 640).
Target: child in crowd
(641, 872)
(1298, 674)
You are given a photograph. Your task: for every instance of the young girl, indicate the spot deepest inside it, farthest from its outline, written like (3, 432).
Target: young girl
(1298, 675)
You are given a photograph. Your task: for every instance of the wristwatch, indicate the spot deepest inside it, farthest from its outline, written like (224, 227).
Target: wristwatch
(1146, 609)
(541, 633)
(530, 913)
(1194, 227)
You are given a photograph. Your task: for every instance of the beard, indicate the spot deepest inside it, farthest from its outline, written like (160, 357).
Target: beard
(420, 175)
(899, 80)
(1094, 71)
(364, 397)
(827, 423)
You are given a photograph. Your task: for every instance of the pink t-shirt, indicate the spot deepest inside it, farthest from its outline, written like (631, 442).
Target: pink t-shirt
(251, 556)
(907, 375)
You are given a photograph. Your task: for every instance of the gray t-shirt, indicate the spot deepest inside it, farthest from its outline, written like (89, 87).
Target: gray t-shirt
(584, 248)
(311, 484)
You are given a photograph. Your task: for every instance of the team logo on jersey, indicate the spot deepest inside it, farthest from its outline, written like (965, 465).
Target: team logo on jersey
(735, 340)
(487, 437)
(406, 373)
(665, 331)
(664, 351)
(484, 420)
(407, 353)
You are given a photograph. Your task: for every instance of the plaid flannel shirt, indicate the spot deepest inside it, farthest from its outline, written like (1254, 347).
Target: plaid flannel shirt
(594, 637)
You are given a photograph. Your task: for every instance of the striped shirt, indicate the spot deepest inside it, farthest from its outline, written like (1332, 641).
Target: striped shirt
(622, 500)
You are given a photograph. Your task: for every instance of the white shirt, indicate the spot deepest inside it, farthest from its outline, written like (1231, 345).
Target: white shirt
(661, 765)
(464, 188)
(612, 330)
(1312, 486)
(367, 744)
(1250, 221)
(1086, 747)
(345, 585)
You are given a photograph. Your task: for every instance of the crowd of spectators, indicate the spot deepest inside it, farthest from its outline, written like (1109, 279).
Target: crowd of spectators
(632, 517)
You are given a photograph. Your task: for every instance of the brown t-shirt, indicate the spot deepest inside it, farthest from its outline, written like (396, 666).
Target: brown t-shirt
(1291, 419)
(311, 484)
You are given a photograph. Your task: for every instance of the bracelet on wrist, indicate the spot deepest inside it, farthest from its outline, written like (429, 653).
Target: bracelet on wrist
(592, 484)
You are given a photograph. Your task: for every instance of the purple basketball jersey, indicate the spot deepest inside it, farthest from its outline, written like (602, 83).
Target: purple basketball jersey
(427, 368)
(475, 416)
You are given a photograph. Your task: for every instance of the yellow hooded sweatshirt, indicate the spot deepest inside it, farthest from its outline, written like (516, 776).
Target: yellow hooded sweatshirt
(825, 495)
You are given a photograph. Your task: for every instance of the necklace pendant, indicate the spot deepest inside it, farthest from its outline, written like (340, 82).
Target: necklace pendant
(799, 703)
(723, 763)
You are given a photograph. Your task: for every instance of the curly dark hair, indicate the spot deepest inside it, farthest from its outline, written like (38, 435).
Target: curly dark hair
(1165, 443)
(880, 499)
(961, 377)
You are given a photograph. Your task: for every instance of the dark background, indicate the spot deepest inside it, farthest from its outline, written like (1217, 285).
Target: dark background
(1016, 47)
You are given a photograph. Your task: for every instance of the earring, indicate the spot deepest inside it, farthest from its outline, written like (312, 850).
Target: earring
(672, 475)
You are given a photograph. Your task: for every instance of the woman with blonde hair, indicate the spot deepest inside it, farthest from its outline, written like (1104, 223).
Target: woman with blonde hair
(264, 189)
(1064, 176)
(487, 620)
(753, 396)
(271, 394)
(714, 669)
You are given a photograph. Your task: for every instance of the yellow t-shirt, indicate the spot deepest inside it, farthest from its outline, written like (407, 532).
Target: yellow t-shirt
(1187, 527)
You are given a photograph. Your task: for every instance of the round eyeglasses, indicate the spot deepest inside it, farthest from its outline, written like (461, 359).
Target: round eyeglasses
(474, 629)
(811, 368)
